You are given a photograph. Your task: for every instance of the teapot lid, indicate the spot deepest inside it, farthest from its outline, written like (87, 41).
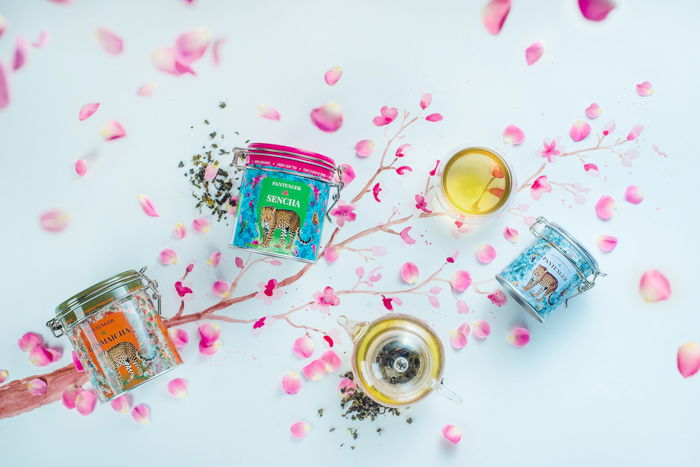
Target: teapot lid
(398, 360)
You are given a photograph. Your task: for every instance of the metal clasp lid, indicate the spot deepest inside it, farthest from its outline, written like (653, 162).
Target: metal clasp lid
(586, 284)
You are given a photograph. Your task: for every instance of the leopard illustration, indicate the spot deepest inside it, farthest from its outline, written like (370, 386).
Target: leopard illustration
(127, 355)
(548, 282)
(273, 219)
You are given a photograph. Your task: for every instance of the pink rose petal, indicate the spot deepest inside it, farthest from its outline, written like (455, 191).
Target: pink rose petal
(220, 289)
(333, 75)
(87, 110)
(81, 167)
(209, 332)
(519, 337)
(462, 307)
(485, 253)
(299, 430)
(593, 111)
(364, 148)
(346, 386)
(4, 88)
(40, 42)
(36, 387)
(21, 52)
(165, 59)
(112, 130)
(436, 117)
(315, 370)
(426, 100)
(214, 259)
(141, 413)
(147, 205)
(85, 401)
(579, 130)
(4, 374)
(177, 388)
(77, 363)
(498, 298)
(607, 243)
(635, 132)
(28, 341)
(406, 237)
(595, 10)
(191, 45)
(457, 339)
(481, 329)
(179, 337)
(494, 15)
(460, 281)
(304, 347)
(121, 404)
(147, 90)
(3, 24)
(109, 41)
(534, 52)
(291, 383)
(452, 433)
(180, 231)
(168, 257)
(216, 50)
(209, 349)
(511, 234)
(645, 89)
(513, 134)
(40, 355)
(69, 396)
(348, 173)
(605, 207)
(654, 286)
(210, 172)
(634, 195)
(331, 359)
(331, 254)
(54, 221)
(201, 225)
(688, 359)
(409, 273)
(386, 116)
(328, 117)
(591, 169)
(269, 112)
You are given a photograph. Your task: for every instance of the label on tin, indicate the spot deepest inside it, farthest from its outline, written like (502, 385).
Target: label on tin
(550, 278)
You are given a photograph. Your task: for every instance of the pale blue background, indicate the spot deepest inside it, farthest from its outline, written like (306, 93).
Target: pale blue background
(597, 385)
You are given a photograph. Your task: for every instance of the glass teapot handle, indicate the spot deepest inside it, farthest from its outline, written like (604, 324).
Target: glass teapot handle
(448, 393)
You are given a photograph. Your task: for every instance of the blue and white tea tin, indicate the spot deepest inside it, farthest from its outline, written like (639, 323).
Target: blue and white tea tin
(553, 269)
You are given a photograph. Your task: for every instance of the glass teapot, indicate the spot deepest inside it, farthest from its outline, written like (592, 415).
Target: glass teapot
(397, 359)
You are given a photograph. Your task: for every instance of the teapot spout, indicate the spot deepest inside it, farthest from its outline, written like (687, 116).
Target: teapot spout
(352, 327)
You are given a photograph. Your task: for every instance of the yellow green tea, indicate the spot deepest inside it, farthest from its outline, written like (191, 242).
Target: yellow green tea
(476, 181)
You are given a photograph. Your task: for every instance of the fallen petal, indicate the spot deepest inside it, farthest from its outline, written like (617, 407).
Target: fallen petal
(112, 130)
(201, 225)
(460, 281)
(645, 89)
(4, 374)
(593, 111)
(635, 132)
(69, 396)
(591, 169)
(141, 413)
(462, 307)
(331, 359)
(147, 90)
(498, 298)
(605, 207)
(4, 88)
(81, 167)
(457, 339)
(220, 289)
(109, 41)
(165, 59)
(21, 51)
(54, 221)
(269, 112)
(214, 259)
(364, 148)
(87, 110)
(328, 117)
(333, 75)
(167, 257)
(595, 10)
(688, 359)
(304, 347)
(348, 173)
(519, 337)
(36, 387)
(40, 355)
(291, 383)
(209, 333)
(331, 254)
(216, 50)
(485, 253)
(513, 134)
(579, 130)
(209, 349)
(147, 205)
(481, 329)
(3, 24)
(654, 286)
(494, 15)
(28, 341)
(85, 401)
(299, 430)
(634, 195)
(121, 404)
(607, 243)
(315, 370)
(179, 336)
(191, 45)
(511, 235)
(77, 363)
(434, 117)
(177, 387)
(409, 273)
(534, 52)
(452, 433)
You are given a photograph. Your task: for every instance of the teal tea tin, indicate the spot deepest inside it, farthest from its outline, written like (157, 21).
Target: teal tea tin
(553, 269)
(282, 202)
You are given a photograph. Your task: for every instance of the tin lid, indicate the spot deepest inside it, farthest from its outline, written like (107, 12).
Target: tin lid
(274, 149)
(577, 245)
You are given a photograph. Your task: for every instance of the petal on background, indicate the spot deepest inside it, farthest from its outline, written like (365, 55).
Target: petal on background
(645, 89)
(191, 45)
(141, 413)
(688, 359)
(593, 111)
(481, 329)
(315, 370)
(331, 254)
(87, 110)
(214, 259)
(179, 337)
(635, 132)
(591, 169)
(498, 298)
(168, 257)
(331, 359)
(634, 195)
(409, 273)
(40, 356)
(406, 237)
(605, 207)
(595, 10)
(328, 117)
(147, 90)
(269, 112)
(81, 167)
(304, 347)
(494, 15)
(54, 220)
(147, 205)
(85, 401)
(209, 333)
(109, 41)
(4, 88)
(534, 52)
(364, 148)
(121, 404)
(519, 337)
(654, 286)
(348, 173)
(69, 396)
(457, 339)
(606, 243)
(177, 387)
(19, 59)
(201, 225)
(436, 117)
(460, 281)
(511, 234)
(112, 130)
(462, 307)
(299, 430)
(452, 433)
(3, 24)
(220, 289)
(4, 374)
(36, 387)
(579, 130)
(333, 75)
(40, 42)
(291, 383)
(485, 253)
(426, 100)
(216, 50)
(209, 349)
(28, 341)
(513, 134)
(180, 231)
(165, 59)
(76, 362)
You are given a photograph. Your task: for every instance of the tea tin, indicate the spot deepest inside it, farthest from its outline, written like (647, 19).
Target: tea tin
(282, 200)
(117, 333)
(553, 269)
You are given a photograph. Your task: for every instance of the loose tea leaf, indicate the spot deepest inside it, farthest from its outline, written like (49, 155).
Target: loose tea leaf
(358, 406)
